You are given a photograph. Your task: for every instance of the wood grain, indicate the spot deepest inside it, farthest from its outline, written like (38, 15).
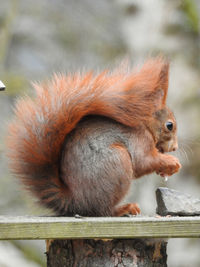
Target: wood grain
(102, 228)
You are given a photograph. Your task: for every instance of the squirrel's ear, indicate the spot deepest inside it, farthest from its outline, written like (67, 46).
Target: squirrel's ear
(163, 82)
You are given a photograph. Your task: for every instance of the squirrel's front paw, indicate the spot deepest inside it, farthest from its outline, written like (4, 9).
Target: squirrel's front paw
(169, 165)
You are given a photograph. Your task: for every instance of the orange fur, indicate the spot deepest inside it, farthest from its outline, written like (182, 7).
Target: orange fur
(41, 124)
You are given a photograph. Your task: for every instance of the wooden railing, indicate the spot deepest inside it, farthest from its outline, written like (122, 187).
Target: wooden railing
(135, 241)
(26, 227)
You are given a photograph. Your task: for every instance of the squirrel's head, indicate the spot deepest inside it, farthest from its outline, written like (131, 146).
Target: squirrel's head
(163, 123)
(164, 130)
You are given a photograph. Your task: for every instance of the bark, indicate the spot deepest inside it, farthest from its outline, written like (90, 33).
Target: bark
(107, 253)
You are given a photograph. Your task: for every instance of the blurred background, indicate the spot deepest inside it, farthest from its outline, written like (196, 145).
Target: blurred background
(38, 38)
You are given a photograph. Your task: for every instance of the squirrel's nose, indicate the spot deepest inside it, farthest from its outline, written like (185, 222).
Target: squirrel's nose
(175, 147)
(2, 86)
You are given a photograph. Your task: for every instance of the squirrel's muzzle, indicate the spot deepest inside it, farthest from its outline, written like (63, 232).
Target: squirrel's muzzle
(2, 86)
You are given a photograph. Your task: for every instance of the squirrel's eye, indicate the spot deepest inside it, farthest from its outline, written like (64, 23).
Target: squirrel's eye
(169, 125)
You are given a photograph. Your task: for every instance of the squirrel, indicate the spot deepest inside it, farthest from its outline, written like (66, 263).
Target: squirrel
(78, 144)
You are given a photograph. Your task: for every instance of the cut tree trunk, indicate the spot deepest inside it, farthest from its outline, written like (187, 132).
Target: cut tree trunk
(107, 253)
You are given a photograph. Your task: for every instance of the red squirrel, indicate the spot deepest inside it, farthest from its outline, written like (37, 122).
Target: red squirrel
(79, 143)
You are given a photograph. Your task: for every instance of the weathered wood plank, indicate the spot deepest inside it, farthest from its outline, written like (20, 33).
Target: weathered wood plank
(89, 228)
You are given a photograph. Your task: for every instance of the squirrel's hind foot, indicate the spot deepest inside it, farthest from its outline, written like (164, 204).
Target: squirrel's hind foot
(130, 208)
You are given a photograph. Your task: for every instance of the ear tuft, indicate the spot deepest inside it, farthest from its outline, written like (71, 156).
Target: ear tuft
(163, 80)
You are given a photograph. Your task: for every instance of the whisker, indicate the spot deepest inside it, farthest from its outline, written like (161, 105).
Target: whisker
(189, 141)
(183, 153)
(189, 149)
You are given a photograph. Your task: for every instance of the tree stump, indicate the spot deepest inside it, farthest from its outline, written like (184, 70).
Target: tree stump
(107, 253)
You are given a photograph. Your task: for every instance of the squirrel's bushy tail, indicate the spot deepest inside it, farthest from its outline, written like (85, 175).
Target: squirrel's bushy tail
(41, 124)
